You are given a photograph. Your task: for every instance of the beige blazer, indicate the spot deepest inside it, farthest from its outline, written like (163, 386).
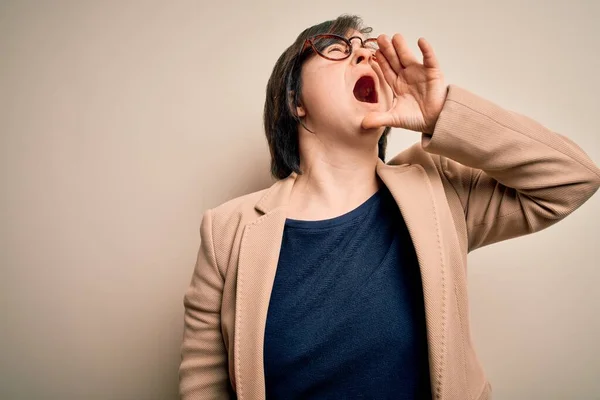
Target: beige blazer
(485, 175)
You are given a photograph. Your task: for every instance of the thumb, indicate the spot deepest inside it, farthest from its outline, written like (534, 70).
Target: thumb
(377, 120)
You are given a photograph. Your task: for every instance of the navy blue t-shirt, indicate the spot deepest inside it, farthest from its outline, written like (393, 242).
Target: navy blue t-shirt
(346, 318)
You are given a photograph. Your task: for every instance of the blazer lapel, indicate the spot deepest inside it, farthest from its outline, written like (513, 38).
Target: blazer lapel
(259, 256)
(258, 259)
(413, 191)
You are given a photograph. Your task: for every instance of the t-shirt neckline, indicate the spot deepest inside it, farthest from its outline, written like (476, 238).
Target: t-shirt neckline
(340, 219)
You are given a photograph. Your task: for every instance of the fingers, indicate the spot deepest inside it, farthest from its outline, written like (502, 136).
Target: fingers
(429, 58)
(389, 52)
(386, 69)
(398, 55)
(377, 120)
(396, 51)
(406, 56)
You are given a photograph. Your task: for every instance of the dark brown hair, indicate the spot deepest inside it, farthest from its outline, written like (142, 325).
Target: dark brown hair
(283, 94)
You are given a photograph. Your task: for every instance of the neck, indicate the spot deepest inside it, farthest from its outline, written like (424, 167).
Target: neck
(335, 179)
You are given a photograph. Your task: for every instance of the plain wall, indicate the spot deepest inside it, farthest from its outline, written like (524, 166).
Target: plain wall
(121, 122)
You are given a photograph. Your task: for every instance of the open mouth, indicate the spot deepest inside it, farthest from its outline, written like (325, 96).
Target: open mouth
(364, 90)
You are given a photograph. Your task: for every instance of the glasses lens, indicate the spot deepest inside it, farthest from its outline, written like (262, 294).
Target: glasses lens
(371, 44)
(331, 47)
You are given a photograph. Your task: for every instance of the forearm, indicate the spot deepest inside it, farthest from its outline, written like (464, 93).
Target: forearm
(521, 176)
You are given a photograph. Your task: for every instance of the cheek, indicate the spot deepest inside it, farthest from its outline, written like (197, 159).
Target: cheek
(314, 91)
(322, 90)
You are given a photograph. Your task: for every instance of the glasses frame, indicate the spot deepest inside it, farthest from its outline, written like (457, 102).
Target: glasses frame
(310, 43)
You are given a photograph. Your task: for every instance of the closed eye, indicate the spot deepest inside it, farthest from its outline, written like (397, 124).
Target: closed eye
(336, 48)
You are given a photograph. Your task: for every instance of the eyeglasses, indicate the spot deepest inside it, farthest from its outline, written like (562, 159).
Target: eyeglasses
(335, 47)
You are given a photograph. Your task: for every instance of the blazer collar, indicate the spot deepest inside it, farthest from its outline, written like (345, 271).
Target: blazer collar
(277, 195)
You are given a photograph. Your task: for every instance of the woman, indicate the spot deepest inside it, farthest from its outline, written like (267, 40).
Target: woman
(347, 277)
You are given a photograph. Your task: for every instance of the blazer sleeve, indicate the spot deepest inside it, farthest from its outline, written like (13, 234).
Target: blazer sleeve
(512, 175)
(203, 372)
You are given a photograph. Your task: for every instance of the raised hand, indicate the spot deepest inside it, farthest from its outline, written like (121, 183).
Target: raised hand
(419, 88)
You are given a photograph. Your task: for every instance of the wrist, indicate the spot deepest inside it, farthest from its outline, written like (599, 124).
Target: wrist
(440, 106)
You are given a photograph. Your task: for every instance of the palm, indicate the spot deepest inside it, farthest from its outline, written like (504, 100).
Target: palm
(419, 89)
(416, 98)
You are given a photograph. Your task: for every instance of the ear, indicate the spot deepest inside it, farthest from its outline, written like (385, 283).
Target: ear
(300, 111)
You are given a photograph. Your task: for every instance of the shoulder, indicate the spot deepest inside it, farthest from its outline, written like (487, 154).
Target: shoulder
(225, 223)
(237, 210)
(415, 154)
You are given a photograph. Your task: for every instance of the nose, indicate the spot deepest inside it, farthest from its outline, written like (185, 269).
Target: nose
(361, 55)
